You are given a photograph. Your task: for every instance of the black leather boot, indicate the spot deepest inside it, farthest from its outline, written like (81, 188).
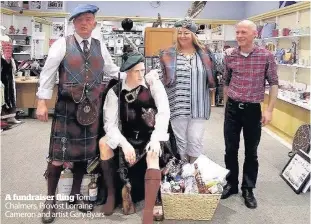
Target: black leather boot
(229, 190)
(249, 198)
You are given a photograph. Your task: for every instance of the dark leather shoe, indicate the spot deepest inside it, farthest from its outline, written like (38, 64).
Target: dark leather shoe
(82, 205)
(229, 190)
(48, 213)
(85, 206)
(249, 198)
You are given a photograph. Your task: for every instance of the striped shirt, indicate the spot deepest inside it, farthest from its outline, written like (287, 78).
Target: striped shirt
(189, 97)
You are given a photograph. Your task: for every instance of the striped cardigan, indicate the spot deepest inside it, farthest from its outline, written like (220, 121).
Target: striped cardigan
(168, 63)
(198, 101)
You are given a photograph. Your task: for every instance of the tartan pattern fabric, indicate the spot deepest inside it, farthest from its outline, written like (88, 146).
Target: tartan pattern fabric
(81, 68)
(70, 141)
(168, 63)
(246, 76)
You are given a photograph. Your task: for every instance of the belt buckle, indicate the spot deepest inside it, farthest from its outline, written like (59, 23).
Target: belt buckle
(241, 106)
(129, 97)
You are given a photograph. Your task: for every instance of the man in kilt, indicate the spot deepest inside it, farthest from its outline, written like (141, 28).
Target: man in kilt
(137, 142)
(81, 62)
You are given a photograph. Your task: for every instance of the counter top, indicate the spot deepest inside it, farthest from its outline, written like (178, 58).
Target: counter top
(31, 79)
(302, 104)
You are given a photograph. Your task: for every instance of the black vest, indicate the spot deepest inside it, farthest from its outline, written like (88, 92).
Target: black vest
(136, 117)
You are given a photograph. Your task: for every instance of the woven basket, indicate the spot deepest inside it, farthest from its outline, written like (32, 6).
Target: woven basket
(189, 206)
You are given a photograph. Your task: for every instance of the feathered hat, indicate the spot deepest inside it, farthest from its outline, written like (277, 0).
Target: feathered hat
(195, 9)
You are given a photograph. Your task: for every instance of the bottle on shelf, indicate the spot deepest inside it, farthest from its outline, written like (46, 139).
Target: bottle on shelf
(93, 189)
(25, 30)
(200, 183)
(11, 30)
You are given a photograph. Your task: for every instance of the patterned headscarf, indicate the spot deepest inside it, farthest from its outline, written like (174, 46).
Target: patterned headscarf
(195, 9)
(188, 24)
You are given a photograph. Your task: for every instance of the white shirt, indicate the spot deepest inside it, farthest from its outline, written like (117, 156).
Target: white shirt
(56, 55)
(111, 115)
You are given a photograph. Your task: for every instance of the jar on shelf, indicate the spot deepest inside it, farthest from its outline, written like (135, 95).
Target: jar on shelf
(11, 30)
(286, 32)
(25, 30)
(275, 33)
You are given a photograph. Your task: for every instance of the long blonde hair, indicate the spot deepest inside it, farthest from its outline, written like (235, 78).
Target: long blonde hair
(195, 41)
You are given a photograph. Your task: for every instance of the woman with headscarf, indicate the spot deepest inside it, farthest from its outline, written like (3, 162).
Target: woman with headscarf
(188, 75)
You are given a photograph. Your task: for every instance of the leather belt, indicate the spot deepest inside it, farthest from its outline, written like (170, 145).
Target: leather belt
(242, 105)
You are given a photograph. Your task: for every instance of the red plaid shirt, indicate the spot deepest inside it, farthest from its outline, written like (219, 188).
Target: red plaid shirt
(246, 76)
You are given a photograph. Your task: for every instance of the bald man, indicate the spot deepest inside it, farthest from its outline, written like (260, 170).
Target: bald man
(247, 68)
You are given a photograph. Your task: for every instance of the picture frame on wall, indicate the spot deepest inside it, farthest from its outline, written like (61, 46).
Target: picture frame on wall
(13, 4)
(55, 5)
(296, 172)
(58, 30)
(35, 5)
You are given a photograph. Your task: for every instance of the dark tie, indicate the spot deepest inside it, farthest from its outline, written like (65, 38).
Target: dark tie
(86, 50)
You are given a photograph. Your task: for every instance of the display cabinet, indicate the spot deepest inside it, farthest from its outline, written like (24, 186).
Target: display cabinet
(288, 37)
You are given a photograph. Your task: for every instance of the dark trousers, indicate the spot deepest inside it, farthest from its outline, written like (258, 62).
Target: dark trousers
(237, 116)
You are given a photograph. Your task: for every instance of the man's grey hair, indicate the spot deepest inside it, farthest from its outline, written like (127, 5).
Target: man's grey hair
(248, 23)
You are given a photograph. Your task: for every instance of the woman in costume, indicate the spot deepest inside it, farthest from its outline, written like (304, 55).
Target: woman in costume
(188, 75)
(8, 69)
(136, 118)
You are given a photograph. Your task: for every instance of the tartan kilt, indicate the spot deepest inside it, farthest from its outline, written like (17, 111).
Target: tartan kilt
(136, 173)
(69, 140)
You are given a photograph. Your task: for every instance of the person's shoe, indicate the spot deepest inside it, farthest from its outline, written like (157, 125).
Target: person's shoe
(229, 190)
(48, 213)
(249, 198)
(82, 205)
(13, 120)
